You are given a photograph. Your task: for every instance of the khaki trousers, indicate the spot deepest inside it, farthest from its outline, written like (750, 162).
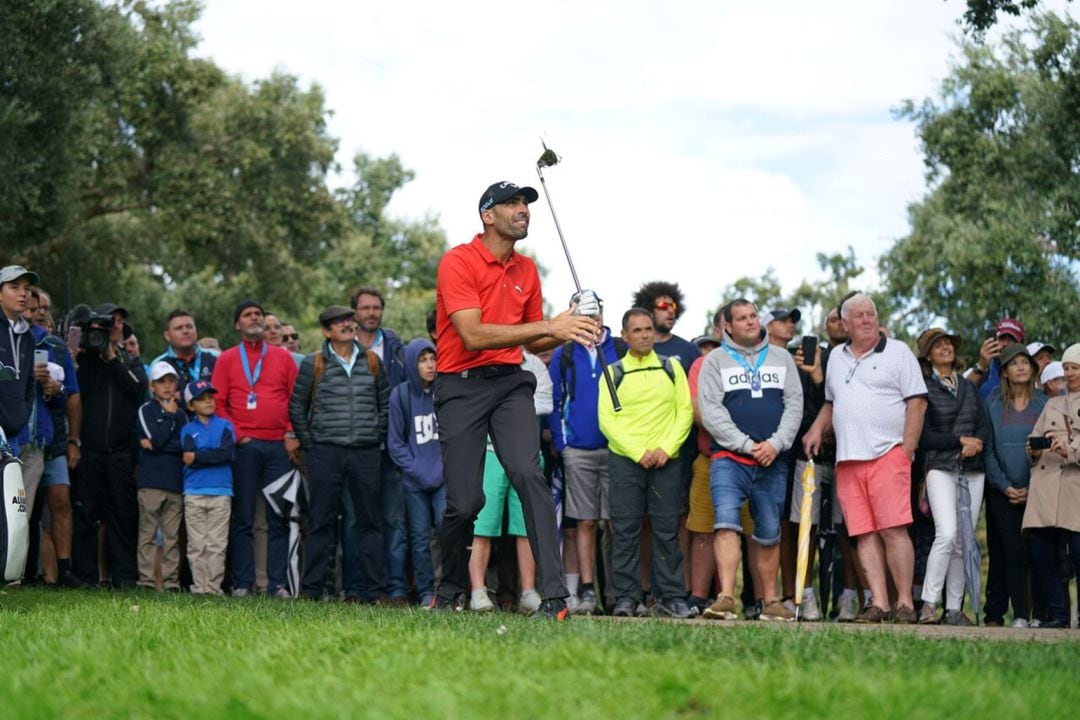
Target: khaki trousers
(207, 518)
(164, 508)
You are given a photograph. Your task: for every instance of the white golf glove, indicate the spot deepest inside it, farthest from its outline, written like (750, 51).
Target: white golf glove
(588, 303)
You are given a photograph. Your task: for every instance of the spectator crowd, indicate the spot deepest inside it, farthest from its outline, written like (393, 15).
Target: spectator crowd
(673, 466)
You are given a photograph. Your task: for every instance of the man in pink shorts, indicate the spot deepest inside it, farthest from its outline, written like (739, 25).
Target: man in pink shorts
(875, 398)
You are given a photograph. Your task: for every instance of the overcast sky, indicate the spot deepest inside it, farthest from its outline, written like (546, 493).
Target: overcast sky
(700, 141)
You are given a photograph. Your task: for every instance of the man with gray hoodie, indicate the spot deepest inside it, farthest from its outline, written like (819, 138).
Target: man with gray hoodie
(750, 399)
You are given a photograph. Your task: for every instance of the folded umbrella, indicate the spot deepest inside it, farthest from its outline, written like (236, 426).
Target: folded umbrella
(803, 557)
(969, 544)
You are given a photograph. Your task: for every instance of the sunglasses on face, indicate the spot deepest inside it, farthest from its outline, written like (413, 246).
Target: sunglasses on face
(667, 306)
(291, 336)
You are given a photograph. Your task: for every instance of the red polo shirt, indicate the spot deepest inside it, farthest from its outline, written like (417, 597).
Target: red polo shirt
(506, 293)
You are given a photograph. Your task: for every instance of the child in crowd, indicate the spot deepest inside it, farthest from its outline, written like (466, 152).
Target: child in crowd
(413, 442)
(208, 443)
(160, 478)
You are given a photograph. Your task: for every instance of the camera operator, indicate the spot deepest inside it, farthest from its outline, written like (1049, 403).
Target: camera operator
(113, 386)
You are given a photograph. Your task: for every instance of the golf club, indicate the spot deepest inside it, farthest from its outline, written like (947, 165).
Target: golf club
(547, 159)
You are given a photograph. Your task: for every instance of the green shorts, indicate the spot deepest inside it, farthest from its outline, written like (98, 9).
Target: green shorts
(498, 496)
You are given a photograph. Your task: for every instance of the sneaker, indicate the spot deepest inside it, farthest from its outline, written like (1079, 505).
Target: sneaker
(928, 614)
(426, 600)
(993, 622)
(753, 611)
(240, 592)
(809, 610)
(904, 615)
(441, 603)
(642, 610)
(776, 611)
(789, 603)
(1020, 623)
(957, 618)
(282, 593)
(1055, 624)
(872, 615)
(530, 601)
(722, 609)
(698, 604)
(676, 608)
(1033, 622)
(586, 603)
(624, 608)
(480, 602)
(849, 608)
(552, 609)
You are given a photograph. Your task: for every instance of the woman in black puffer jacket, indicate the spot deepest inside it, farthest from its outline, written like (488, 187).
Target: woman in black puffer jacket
(954, 432)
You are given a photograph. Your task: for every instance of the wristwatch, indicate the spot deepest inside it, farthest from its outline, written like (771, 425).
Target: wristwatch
(76, 442)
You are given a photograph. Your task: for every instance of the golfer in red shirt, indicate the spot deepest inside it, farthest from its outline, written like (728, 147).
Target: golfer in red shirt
(489, 305)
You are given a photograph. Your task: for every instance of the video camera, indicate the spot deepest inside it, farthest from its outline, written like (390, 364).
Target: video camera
(95, 332)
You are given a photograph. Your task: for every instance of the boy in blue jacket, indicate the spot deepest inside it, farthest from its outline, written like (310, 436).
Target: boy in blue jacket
(160, 478)
(209, 442)
(413, 443)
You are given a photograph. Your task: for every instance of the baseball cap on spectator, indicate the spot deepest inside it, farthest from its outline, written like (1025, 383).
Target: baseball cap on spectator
(1071, 354)
(334, 312)
(244, 305)
(1011, 351)
(1053, 371)
(11, 273)
(705, 340)
(500, 192)
(1011, 327)
(1037, 347)
(197, 389)
(109, 309)
(162, 369)
(781, 314)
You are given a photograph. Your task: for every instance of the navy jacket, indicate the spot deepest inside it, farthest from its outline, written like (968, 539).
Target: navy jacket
(413, 436)
(160, 467)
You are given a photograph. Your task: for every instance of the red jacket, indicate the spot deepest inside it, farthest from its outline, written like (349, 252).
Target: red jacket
(270, 418)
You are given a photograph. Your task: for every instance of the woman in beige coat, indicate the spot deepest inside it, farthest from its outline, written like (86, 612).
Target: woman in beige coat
(1053, 505)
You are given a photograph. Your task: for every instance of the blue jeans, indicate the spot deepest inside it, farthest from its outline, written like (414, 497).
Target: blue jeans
(395, 539)
(422, 509)
(257, 464)
(732, 483)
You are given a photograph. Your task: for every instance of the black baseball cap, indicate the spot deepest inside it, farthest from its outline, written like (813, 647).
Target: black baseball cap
(500, 192)
(109, 309)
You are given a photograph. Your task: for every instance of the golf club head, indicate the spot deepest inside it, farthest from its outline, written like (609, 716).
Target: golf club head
(548, 158)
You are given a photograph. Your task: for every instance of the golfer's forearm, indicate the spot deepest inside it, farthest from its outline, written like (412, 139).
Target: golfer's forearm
(487, 336)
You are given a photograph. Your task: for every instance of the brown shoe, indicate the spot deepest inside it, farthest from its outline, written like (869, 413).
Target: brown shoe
(904, 615)
(722, 609)
(776, 611)
(872, 615)
(928, 614)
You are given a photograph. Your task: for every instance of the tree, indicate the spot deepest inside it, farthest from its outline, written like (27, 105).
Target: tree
(998, 232)
(981, 15)
(152, 178)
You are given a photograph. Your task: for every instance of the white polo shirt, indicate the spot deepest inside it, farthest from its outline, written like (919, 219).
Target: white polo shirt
(869, 397)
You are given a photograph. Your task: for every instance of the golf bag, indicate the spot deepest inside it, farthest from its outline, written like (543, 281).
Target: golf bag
(14, 522)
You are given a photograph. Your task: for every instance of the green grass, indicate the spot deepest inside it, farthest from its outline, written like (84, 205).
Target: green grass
(94, 654)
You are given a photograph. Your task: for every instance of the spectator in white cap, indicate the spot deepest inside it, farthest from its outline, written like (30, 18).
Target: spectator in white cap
(1043, 354)
(160, 478)
(1052, 379)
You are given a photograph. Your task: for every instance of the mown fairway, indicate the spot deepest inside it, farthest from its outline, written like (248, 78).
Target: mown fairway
(94, 654)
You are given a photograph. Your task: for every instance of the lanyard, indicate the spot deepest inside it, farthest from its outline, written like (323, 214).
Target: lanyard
(252, 379)
(739, 359)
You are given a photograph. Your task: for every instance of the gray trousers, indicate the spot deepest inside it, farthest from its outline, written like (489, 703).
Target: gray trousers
(636, 492)
(468, 410)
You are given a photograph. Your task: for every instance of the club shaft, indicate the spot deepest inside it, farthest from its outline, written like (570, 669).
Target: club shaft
(615, 404)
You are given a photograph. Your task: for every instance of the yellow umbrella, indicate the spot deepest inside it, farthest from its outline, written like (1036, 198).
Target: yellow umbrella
(803, 557)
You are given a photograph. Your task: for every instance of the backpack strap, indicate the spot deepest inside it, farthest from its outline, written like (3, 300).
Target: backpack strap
(566, 367)
(320, 368)
(374, 364)
(618, 372)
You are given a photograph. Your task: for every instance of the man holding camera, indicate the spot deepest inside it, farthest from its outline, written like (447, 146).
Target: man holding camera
(112, 385)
